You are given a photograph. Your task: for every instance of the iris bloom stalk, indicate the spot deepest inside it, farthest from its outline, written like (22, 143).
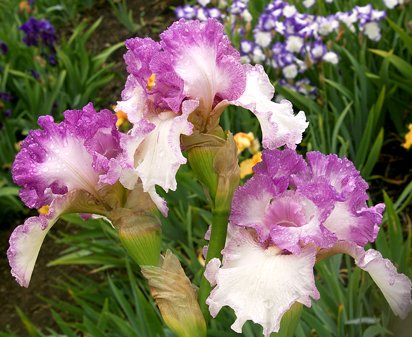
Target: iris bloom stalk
(289, 215)
(176, 90)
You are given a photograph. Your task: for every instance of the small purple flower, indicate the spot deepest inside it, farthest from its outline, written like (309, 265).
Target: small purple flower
(35, 74)
(38, 32)
(3, 48)
(5, 96)
(52, 59)
(7, 113)
(317, 50)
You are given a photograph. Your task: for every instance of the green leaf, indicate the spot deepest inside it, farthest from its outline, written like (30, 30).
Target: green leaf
(404, 67)
(373, 155)
(407, 40)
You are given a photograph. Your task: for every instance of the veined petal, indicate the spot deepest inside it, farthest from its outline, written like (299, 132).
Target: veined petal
(66, 156)
(279, 124)
(281, 166)
(145, 61)
(260, 284)
(352, 222)
(204, 59)
(395, 287)
(159, 156)
(335, 184)
(126, 164)
(340, 173)
(250, 202)
(295, 220)
(133, 100)
(26, 240)
(139, 53)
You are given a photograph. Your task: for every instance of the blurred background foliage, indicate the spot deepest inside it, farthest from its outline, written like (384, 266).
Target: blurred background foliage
(361, 109)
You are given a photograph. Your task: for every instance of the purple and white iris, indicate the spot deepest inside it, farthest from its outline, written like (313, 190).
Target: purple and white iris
(181, 85)
(284, 218)
(64, 165)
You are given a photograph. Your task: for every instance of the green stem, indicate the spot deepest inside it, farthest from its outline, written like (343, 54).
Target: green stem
(216, 244)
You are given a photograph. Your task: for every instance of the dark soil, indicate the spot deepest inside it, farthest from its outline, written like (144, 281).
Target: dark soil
(42, 284)
(157, 16)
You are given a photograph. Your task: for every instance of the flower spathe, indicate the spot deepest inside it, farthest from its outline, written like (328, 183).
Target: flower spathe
(289, 214)
(181, 85)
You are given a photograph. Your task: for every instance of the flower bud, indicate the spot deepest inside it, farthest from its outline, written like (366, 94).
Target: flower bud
(175, 297)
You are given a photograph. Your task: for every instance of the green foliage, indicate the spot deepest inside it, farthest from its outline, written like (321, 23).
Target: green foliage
(38, 88)
(125, 15)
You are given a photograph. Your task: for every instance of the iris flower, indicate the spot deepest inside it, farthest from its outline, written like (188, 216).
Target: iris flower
(65, 165)
(286, 217)
(180, 86)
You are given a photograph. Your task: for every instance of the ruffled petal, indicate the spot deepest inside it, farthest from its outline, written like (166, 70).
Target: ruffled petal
(295, 221)
(148, 64)
(279, 124)
(139, 53)
(26, 240)
(66, 156)
(260, 284)
(335, 184)
(354, 223)
(340, 173)
(25, 243)
(125, 167)
(159, 156)
(133, 100)
(396, 287)
(250, 202)
(204, 59)
(281, 166)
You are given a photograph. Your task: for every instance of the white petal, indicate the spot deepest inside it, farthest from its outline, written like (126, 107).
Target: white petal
(159, 156)
(69, 162)
(279, 124)
(134, 100)
(202, 76)
(26, 240)
(130, 144)
(395, 287)
(261, 284)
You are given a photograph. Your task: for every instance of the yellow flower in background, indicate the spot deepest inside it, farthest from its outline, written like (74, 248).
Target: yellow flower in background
(24, 6)
(246, 141)
(243, 141)
(43, 210)
(408, 138)
(246, 166)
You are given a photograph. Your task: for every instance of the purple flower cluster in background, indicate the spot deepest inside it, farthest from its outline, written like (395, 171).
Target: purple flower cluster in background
(41, 33)
(286, 39)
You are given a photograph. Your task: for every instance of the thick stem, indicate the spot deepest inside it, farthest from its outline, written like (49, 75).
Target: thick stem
(216, 244)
